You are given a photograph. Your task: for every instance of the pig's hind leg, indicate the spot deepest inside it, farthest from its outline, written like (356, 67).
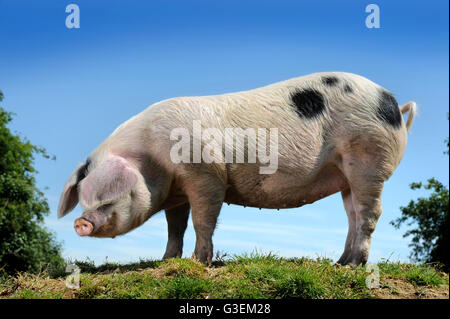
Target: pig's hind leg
(365, 174)
(177, 220)
(351, 215)
(367, 204)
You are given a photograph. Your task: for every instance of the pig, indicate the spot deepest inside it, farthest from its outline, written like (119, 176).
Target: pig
(337, 132)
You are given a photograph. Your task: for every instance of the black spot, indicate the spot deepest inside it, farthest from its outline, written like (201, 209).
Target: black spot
(388, 110)
(82, 171)
(330, 80)
(348, 89)
(309, 103)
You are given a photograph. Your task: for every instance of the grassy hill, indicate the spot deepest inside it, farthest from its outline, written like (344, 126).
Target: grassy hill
(247, 276)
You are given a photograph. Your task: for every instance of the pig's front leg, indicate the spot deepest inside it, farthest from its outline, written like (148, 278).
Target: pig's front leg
(206, 197)
(177, 220)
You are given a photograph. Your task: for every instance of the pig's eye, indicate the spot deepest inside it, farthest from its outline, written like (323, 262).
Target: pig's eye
(105, 207)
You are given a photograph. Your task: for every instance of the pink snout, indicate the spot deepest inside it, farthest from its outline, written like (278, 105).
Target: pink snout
(83, 227)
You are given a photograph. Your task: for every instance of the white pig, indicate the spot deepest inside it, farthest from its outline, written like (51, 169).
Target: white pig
(337, 132)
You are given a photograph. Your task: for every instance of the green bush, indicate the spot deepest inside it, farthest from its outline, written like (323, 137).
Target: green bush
(25, 244)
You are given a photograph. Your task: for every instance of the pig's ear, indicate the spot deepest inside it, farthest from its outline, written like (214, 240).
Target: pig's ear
(69, 196)
(112, 179)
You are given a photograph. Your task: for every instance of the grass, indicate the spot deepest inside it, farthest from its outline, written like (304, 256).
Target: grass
(418, 275)
(246, 276)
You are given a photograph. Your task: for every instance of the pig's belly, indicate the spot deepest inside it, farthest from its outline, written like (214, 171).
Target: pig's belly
(283, 189)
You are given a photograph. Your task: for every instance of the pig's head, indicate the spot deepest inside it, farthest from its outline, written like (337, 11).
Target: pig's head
(113, 194)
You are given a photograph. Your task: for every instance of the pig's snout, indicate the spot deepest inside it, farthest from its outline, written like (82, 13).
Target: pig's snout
(90, 223)
(83, 227)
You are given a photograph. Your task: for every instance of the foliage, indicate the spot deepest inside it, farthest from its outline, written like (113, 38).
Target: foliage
(25, 245)
(430, 238)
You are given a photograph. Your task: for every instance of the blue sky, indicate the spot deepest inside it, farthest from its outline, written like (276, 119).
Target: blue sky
(70, 88)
